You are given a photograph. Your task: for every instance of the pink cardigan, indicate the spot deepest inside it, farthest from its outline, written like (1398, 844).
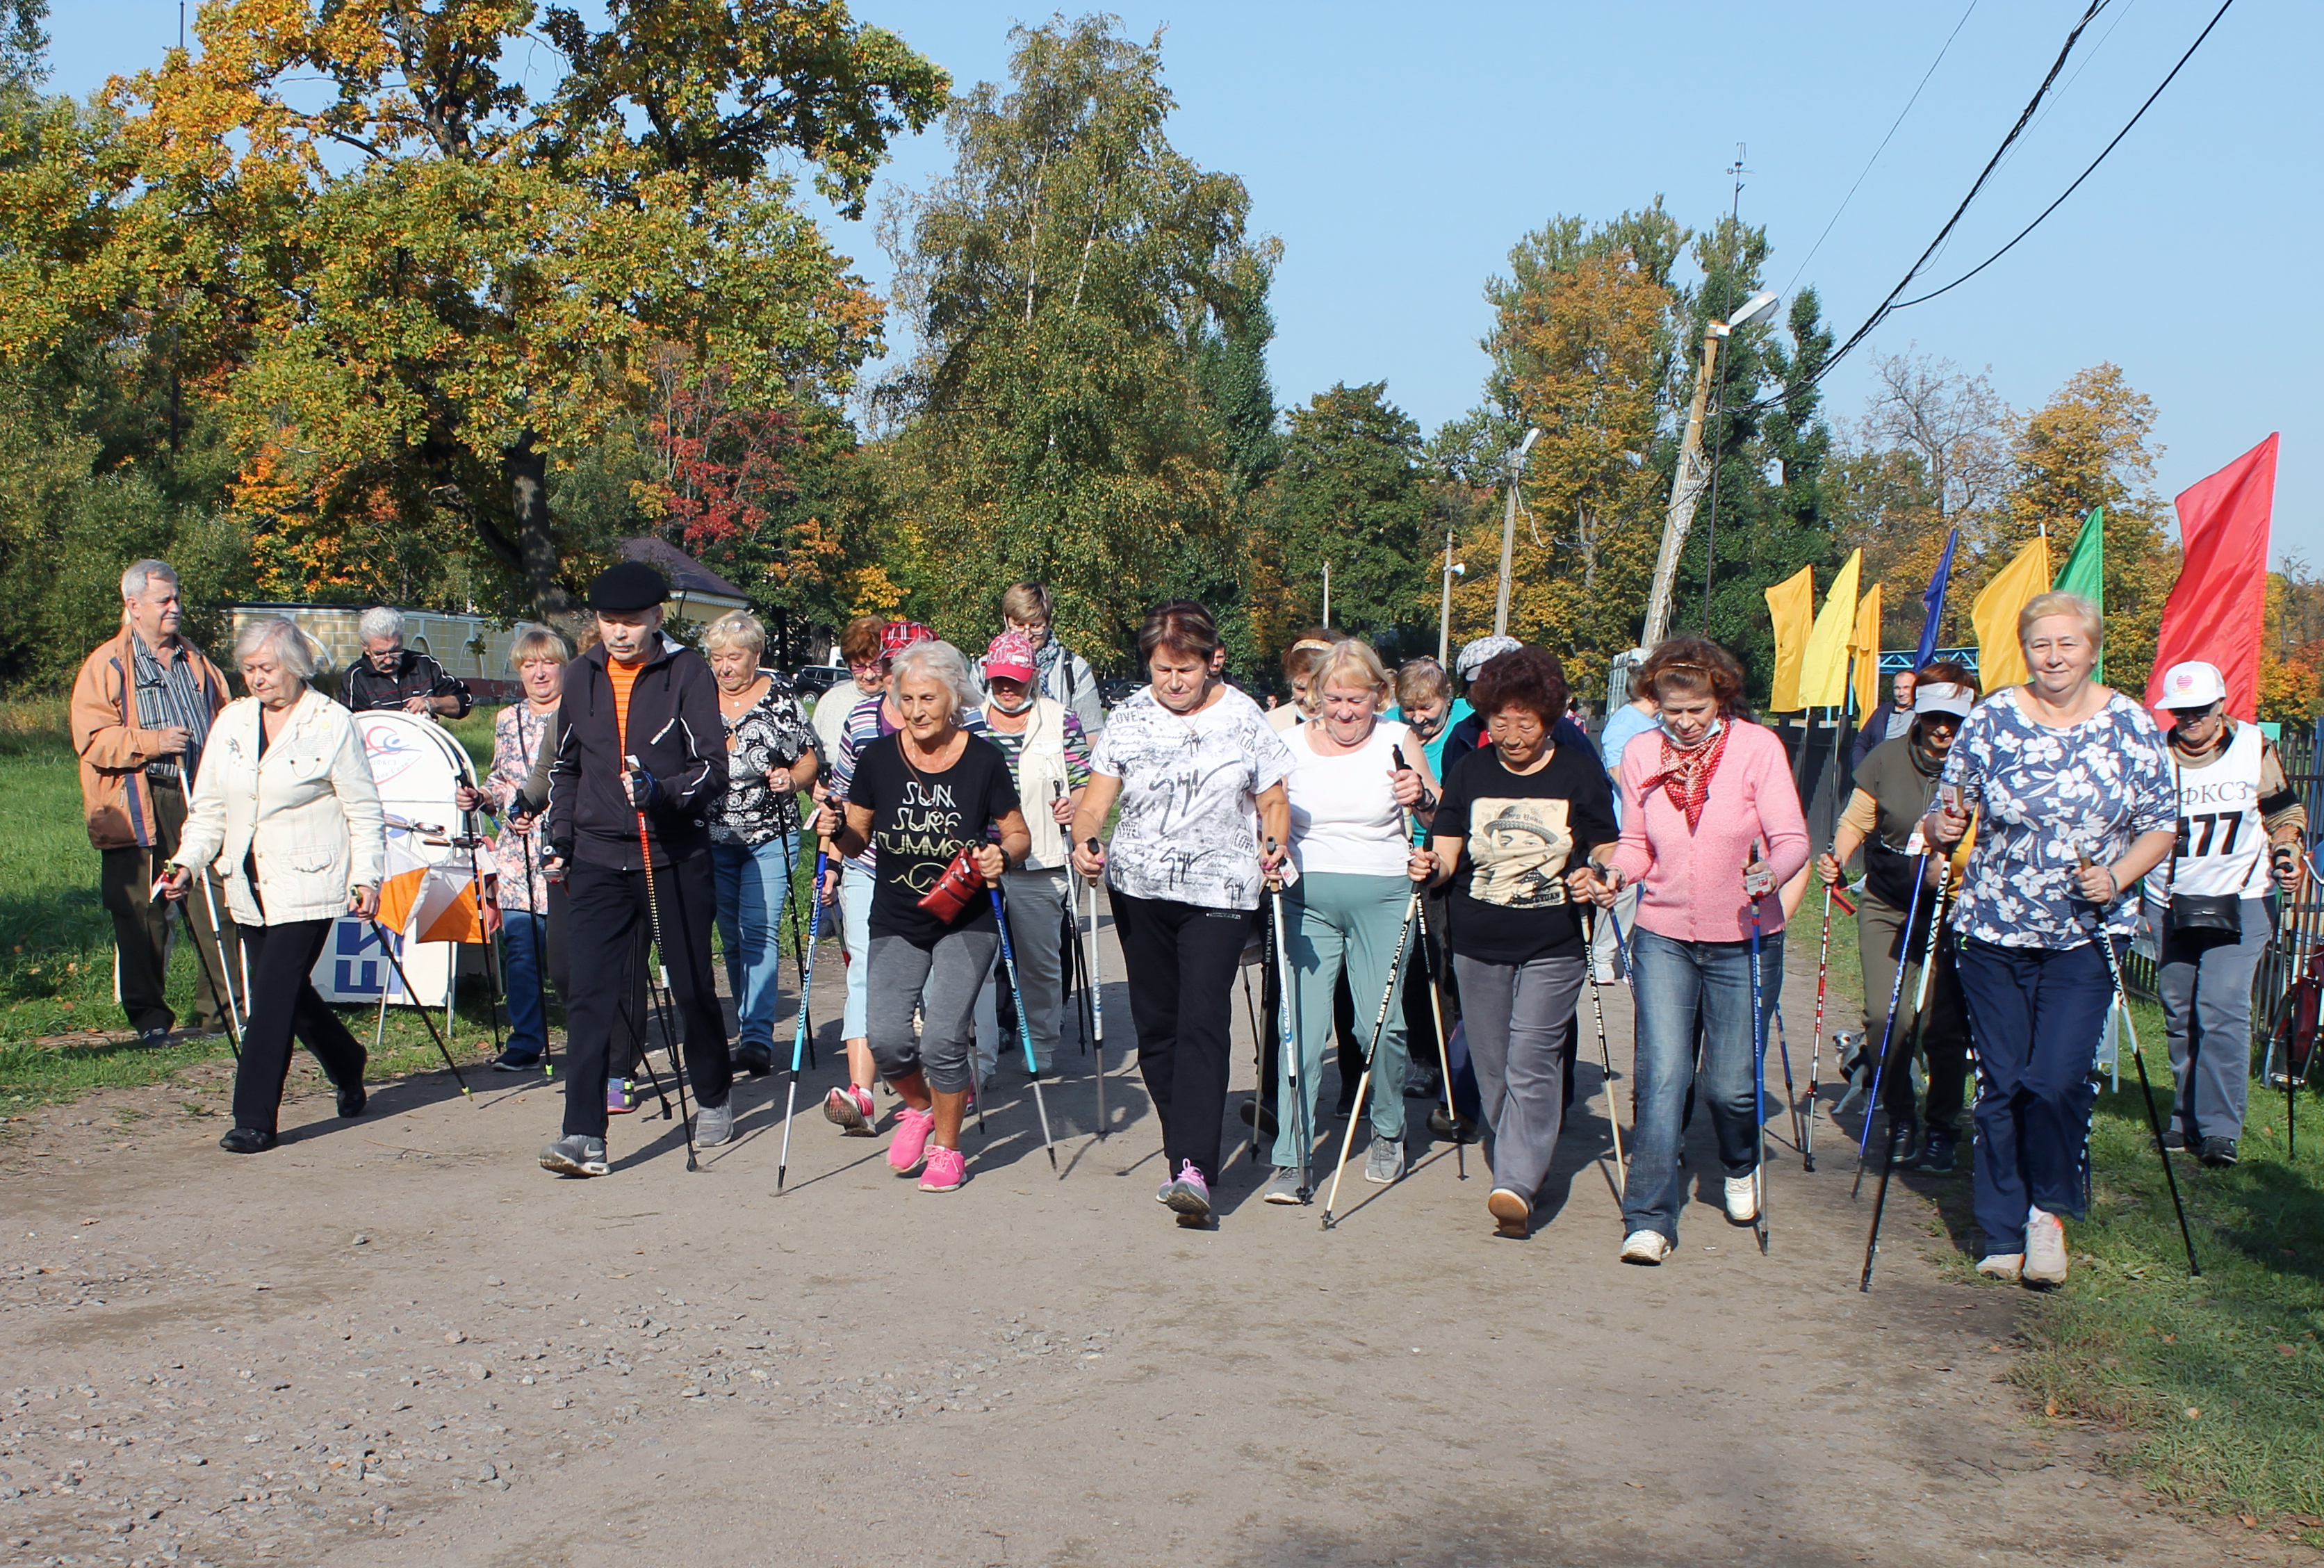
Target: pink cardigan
(1691, 884)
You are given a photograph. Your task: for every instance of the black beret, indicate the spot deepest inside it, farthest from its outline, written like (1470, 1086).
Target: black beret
(629, 585)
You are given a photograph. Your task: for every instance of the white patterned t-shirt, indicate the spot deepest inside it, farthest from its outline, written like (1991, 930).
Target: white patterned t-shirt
(2046, 795)
(1189, 825)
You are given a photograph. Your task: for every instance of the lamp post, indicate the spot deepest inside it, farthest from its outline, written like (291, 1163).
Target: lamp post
(1444, 612)
(1327, 592)
(1516, 462)
(1687, 484)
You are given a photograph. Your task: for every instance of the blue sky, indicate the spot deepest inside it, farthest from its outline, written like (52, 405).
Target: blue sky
(1398, 151)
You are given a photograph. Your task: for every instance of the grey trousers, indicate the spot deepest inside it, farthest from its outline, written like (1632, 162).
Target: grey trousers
(2207, 991)
(1516, 1015)
(941, 981)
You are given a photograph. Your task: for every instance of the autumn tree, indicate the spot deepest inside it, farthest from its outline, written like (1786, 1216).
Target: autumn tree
(1060, 281)
(415, 287)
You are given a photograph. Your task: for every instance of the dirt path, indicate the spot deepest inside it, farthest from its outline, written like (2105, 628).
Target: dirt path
(398, 1343)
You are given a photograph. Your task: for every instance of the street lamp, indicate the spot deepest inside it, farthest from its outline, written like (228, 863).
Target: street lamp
(1516, 462)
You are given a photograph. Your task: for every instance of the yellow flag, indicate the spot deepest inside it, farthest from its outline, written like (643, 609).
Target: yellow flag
(1823, 667)
(1999, 661)
(1864, 647)
(1791, 604)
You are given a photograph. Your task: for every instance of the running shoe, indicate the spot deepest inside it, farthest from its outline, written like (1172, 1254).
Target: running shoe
(946, 1170)
(1939, 1151)
(1742, 1201)
(2045, 1250)
(1190, 1196)
(757, 1059)
(2175, 1142)
(1283, 1189)
(2004, 1267)
(513, 1060)
(1512, 1216)
(2218, 1153)
(1647, 1247)
(1385, 1162)
(618, 1100)
(576, 1154)
(713, 1125)
(851, 1110)
(910, 1147)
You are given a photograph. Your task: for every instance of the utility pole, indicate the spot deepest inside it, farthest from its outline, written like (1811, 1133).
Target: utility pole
(1516, 466)
(1444, 612)
(1694, 474)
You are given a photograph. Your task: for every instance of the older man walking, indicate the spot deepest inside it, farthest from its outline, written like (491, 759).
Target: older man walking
(140, 711)
(391, 675)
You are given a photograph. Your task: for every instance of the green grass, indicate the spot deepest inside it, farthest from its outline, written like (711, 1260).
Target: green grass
(56, 940)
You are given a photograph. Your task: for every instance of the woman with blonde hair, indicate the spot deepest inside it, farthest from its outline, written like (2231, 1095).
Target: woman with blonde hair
(2072, 793)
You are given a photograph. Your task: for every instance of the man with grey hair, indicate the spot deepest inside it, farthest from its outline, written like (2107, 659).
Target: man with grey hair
(140, 711)
(392, 675)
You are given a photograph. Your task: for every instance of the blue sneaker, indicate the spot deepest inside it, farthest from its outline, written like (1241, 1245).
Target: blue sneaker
(618, 1100)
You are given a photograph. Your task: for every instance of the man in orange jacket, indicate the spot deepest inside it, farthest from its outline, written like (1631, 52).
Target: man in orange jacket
(140, 711)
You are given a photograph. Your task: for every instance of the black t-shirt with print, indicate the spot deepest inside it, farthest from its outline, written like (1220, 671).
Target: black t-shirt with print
(1521, 834)
(920, 820)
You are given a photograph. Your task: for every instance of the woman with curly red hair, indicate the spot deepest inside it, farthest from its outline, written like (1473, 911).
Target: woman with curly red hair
(1711, 828)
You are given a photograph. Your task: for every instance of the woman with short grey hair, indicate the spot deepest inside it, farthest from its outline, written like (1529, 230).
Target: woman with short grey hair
(754, 836)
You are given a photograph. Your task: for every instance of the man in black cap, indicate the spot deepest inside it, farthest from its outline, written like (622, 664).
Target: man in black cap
(643, 763)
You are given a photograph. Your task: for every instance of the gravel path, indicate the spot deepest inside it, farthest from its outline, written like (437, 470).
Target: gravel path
(396, 1342)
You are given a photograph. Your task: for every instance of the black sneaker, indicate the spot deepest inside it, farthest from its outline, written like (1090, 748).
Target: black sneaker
(1423, 1083)
(2218, 1153)
(1939, 1152)
(248, 1141)
(153, 1037)
(1267, 1123)
(510, 1062)
(352, 1098)
(2175, 1142)
(758, 1060)
(576, 1154)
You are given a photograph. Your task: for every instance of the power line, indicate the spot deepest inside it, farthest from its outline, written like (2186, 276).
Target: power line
(2015, 130)
(2085, 174)
(1891, 136)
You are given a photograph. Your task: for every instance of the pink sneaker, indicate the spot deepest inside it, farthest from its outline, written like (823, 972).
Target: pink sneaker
(849, 1108)
(947, 1170)
(912, 1129)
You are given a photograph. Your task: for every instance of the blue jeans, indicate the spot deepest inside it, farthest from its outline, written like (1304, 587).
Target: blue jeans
(2036, 1014)
(524, 943)
(753, 889)
(1678, 984)
(856, 931)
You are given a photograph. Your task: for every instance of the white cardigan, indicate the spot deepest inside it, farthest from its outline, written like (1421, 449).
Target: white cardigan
(310, 805)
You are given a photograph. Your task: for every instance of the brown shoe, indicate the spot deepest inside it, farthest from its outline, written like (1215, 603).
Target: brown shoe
(1512, 1216)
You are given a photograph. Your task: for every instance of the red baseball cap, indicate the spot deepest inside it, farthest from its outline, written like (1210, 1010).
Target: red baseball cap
(898, 635)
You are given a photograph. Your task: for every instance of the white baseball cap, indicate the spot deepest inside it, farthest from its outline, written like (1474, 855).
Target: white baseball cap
(2192, 685)
(1942, 697)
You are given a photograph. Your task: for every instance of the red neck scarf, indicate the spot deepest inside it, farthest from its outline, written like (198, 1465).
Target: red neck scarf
(1685, 776)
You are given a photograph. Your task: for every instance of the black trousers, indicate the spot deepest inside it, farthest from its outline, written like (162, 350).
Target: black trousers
(283, 1003)
(141, 923)
(1180, 960)
(605, 910)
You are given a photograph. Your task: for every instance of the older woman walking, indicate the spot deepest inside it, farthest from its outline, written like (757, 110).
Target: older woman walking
(285, 811)
(1520, 818)
(1348, 796)
(520, 735)
(926, 797)
(1694, 805)
(754, 836)
(2072, 790)
(1199, 777)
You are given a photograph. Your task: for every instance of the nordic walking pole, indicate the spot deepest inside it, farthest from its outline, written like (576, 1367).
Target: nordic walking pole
(1919, 1032)
(1097, 997)
(476, 887)
(1605, 1052)
(541, 955)
(1759, 1078)
(1815, 1051)
(790, 910)
(1258, 1068)
(1289, 1045)
(1790, 1093)
(225, 971)
(798, 1033)
(661, 958)
(1024, 1026)
(1364, 1083)
(194, 940)
(388, 947)
(2145, 1088)
(1435, 1001)
(1888, 1033)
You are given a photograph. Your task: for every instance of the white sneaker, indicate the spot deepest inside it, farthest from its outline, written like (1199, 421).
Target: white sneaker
(1649, 1247)
(2004, 1267)
(1742, 1200)
(2045, 1249)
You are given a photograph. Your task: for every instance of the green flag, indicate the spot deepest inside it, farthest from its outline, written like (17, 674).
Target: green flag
(2084, 572)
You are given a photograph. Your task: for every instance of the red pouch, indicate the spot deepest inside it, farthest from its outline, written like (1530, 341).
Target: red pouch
(962, 880)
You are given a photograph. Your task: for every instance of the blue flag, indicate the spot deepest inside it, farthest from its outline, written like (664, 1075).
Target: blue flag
(1935, 600)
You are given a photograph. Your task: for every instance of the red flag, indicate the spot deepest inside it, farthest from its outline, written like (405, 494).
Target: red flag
(2220, 602)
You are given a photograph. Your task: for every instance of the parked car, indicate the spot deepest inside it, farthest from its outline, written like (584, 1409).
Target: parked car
(815, 679)
(1115, 690)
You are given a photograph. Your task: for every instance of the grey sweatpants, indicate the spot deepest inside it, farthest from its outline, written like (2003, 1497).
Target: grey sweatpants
(1516, 1016)
(940, 980)
(2207, 994)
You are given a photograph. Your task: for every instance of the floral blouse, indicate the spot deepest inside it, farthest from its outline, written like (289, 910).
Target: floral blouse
(516, 736)
(771, 734)
(2047, 794)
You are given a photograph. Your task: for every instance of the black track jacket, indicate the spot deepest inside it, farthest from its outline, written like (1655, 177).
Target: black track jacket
(675, 735)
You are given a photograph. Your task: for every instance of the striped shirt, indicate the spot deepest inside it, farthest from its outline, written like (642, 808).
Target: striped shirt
(170, 695)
